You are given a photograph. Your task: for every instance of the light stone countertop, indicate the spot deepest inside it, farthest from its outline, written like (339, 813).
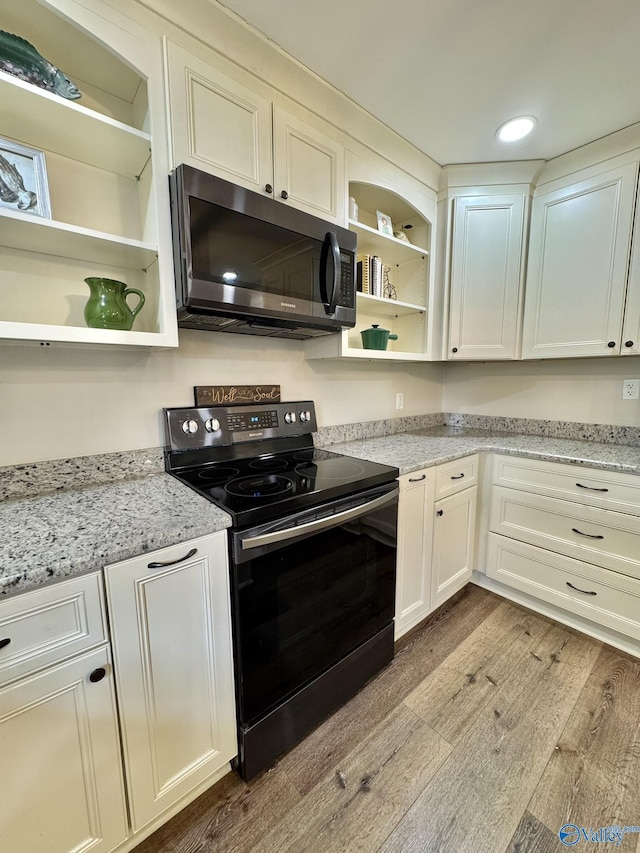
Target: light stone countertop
(423, 448)
(53, 536)
(48, 537)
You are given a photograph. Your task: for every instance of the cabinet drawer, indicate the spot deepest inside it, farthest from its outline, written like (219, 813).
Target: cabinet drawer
(50, 624)
(590, 486)
(605, 597)
(609, 539)
(454, 476)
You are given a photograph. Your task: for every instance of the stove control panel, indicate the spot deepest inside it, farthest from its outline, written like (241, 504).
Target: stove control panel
(216, 426)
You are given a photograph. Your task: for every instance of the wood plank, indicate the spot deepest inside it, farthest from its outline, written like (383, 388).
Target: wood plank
(382, 777)
(532, 836)
(415, 658)
(232, 815)
(478, 671)
(593, 776)
(475, 801)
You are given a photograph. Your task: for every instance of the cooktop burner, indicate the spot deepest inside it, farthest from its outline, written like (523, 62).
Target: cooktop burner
(259, 487)
(258, 463)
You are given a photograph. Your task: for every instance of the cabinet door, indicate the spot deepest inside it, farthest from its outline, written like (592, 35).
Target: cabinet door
(415, 514)
(171, 633)
(486, 274)
(217, 124)
(61, 783)
(309, 168)
(453, 537)
(631, 326)
(578, 256)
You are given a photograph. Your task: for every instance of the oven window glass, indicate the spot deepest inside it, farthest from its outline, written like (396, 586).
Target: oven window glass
(238, 250)
(301, 608)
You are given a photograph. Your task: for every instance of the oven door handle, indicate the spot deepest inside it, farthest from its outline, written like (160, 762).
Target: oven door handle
(320, 523)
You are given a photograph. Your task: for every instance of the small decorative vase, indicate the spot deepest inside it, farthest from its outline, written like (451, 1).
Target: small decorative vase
(107, 306)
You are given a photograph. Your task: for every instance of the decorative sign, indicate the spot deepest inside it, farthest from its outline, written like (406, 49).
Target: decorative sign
(235, 395)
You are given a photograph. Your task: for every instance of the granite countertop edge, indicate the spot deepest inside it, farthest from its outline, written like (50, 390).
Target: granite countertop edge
(52, 536)
(412, 451)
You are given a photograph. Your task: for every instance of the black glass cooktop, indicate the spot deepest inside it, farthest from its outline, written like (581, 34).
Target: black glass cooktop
(260, 488)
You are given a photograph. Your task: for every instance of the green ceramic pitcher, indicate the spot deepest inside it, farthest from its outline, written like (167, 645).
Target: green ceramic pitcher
(107, 306)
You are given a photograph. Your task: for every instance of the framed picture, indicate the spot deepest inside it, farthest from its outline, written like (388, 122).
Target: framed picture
(23, 179)
(384, 223)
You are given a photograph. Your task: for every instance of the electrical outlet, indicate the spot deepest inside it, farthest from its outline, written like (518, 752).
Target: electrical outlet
(631, 389)
(399, 401)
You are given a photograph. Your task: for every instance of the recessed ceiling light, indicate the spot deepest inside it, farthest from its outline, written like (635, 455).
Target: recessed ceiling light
(516, 128)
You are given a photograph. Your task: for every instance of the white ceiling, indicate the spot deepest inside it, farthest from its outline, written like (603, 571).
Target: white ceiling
(446, 73)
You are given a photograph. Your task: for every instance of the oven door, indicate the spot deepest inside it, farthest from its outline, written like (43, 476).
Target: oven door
(307, 590)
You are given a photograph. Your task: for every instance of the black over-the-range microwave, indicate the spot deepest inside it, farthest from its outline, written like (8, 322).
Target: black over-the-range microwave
(250, 264)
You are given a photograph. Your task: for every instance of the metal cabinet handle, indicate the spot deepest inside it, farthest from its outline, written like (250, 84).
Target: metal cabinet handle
(591, 488)
(417, 479)
(188, 556)
(628, 344)
(268, 188)
(5, 642)
(454, 349)
(457, 476)
(611, 344)
(583, 591)
(588, 535)
(439, 512)
(284, 194)
(97, 675)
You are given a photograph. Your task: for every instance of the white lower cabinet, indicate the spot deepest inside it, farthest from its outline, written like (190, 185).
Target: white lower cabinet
(62, 736)
(61, 786)
(171, 636)
(415, 523)
(453, 540)
(435, 538)
(557, 533)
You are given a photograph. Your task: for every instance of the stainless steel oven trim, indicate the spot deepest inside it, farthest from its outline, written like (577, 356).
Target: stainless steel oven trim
(319, 524)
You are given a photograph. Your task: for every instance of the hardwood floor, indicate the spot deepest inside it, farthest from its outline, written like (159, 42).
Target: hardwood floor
(491, 729)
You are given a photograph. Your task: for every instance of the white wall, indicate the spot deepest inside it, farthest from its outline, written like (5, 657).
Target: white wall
(59, 402)
(584, 390)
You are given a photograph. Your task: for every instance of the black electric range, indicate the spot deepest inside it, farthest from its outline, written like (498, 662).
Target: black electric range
(312, 558)
(260, 462)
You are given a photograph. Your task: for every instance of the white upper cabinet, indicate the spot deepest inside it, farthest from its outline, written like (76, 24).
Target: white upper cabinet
(578, 257)
(486, 276)
(105, 179)
(221, 126)
(631, 323)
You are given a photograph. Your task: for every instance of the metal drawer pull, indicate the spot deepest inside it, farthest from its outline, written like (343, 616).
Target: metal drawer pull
(5, 642)
(591, 488)
(457, 476)
(439, 512)
(417, 479)
(588, 535)
(191, 553)
(583, 591)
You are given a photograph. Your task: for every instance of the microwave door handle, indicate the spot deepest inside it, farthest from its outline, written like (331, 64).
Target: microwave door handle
(330, 244)
(319, 524)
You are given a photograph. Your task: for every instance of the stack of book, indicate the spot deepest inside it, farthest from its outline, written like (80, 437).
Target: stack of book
(369, 275)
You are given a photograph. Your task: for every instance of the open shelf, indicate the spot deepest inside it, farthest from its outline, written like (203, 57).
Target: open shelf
(106, 179)
(46, 236)
(386, 307)
(43, 333)
(406, 268)
(44, 120)
(371, 241)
